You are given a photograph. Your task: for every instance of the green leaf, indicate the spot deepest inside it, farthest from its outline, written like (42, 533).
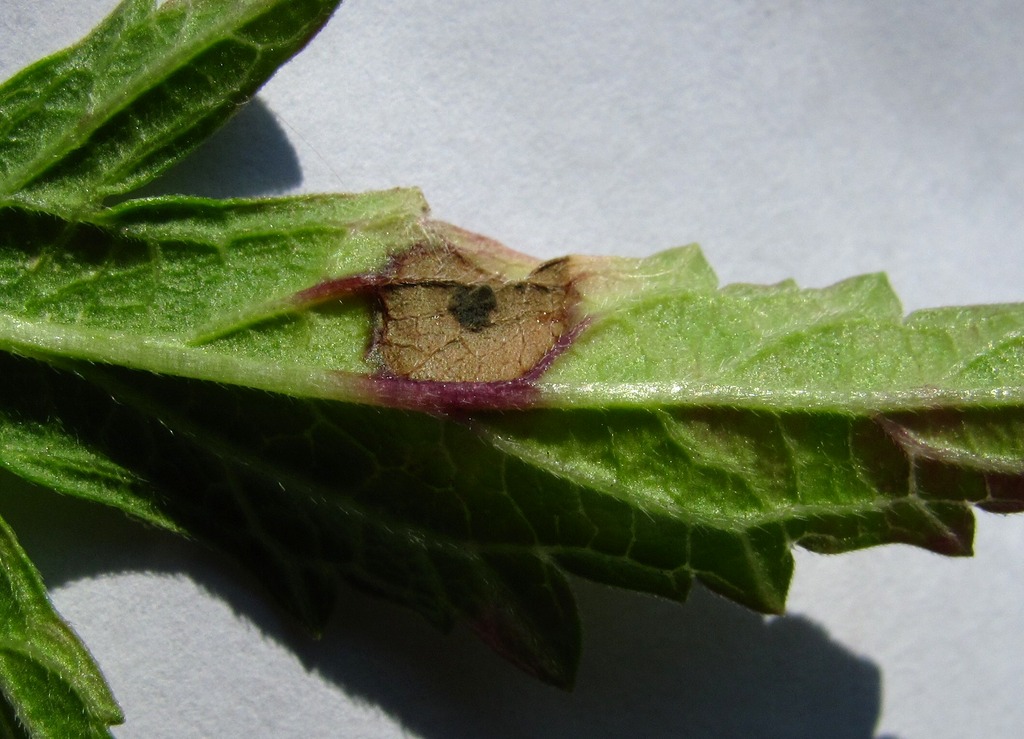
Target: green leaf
(46, 675)
(261, 477)
(148, 271)
(42, 451)
(665, 429)
(146, 87)
(845, 348)
(212, 290)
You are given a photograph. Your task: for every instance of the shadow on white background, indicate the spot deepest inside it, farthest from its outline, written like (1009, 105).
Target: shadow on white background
(705, 668)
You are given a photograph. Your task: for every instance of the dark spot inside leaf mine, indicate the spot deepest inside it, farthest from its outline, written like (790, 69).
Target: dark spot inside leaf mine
(444, 317)
(472, 306)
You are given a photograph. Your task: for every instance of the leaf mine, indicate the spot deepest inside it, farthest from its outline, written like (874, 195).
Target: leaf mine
(443, 318)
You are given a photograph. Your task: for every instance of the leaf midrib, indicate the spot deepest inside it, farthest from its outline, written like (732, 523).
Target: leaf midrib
(171, 355)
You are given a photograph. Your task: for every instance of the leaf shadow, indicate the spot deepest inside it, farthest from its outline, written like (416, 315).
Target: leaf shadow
(650, 667)
(249, 156)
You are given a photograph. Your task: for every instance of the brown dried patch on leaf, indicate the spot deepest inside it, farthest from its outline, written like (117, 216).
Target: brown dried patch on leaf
(444, 318)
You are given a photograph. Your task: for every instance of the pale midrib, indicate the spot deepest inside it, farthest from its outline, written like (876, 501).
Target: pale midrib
(172, 356)
(701, 394)
(166, 355)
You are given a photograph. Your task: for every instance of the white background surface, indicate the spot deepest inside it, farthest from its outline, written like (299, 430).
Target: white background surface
(812, 140)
